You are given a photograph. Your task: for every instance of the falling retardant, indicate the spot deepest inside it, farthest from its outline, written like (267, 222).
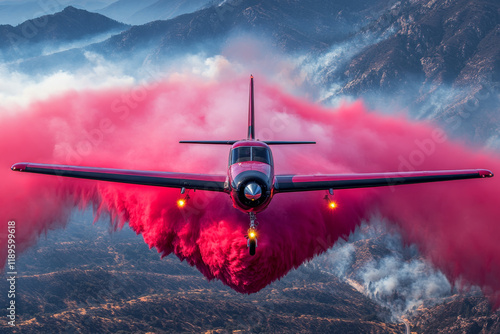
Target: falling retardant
(455, 224)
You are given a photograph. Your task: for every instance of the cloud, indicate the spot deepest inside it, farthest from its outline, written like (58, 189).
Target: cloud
(19, 89)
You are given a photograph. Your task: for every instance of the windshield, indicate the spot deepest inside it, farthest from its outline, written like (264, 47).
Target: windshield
(260, 154)
(250, 153)
(241, 154)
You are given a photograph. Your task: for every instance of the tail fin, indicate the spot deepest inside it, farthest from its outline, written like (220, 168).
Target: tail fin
(251, 114)
(251, 129)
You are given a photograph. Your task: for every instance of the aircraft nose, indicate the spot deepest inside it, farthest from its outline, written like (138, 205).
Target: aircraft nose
(253, 191)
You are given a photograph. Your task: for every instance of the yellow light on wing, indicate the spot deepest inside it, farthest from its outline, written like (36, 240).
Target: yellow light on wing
(332, 205)
(181, 203)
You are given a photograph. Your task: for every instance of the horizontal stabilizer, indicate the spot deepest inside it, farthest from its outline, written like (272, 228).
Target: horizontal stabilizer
(231, 142)
(213, 142)
(287, 142)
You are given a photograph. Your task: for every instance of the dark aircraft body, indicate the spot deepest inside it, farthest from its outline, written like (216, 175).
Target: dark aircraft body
(251, 181)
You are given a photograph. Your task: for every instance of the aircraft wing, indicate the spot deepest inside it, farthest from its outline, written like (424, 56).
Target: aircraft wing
(149, 178)
(296, 183)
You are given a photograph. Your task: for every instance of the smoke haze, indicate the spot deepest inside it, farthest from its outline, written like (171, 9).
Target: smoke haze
(376, 262)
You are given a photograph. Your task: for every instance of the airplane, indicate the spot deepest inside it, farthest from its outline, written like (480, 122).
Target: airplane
(251, 181)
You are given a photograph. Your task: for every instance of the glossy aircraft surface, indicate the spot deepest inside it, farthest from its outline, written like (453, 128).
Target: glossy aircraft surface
(251, 181)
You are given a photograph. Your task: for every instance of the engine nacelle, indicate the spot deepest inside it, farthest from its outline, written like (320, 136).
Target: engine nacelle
(251, 191)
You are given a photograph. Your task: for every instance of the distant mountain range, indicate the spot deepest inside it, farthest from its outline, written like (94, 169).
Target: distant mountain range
(14, 12)
(290, 25)
(33, 37)
(126, 11)
(433, 57)
(141, 12)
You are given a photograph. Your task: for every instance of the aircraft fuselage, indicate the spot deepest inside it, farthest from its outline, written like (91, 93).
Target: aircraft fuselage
(251, 175)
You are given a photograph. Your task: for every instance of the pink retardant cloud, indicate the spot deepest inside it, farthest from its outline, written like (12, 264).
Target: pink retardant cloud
(455, 224)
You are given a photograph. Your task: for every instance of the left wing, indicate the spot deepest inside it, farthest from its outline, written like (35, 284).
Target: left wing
(160, 179)
(295, 183)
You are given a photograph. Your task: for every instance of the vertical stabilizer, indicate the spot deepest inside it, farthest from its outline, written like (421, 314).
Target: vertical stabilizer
(251, 116)
(251, 129)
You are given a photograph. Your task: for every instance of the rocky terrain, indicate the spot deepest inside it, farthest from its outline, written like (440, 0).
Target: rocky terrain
(438, 42)
(84, 279)
(447, 51)
(463, 314)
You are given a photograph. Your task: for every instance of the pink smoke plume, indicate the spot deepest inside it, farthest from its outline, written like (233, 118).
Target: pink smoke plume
(454, 223)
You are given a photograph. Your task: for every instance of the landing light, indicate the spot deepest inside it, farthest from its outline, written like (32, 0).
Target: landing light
(181, 203)
(251, 235)
(332, 205)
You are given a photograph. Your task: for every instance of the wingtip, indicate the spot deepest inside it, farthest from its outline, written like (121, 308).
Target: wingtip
(485, 173)
(19, 167)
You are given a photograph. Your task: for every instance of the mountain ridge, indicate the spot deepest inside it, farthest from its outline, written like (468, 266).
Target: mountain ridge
(138, 13)
(69, 25)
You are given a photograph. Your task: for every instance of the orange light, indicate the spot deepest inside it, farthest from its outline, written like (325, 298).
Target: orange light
(251, 235)
(332, 205)
(181, 203)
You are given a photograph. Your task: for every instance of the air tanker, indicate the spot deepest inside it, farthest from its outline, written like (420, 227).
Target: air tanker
(251, 180)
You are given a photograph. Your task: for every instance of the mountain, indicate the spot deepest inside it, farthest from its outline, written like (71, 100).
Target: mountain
(141, 12)
(434, 58)
(166, 9)
(70, 24)
(438, 60)
(16, 12)
(122, 10)
(32, 37)
(290, 25)
(446, 51)
(452, 42)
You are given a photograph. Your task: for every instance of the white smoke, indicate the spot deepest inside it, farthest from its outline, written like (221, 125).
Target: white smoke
(18, 89)
(321, 69)
(403, 286)
(21, 87)
(378, 264)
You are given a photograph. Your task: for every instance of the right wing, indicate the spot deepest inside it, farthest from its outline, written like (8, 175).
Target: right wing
(297, 183)
(160, 179)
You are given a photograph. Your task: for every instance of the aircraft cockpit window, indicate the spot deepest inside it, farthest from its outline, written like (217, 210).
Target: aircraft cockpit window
(241, 154)
(248, 153)
(260, 154)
